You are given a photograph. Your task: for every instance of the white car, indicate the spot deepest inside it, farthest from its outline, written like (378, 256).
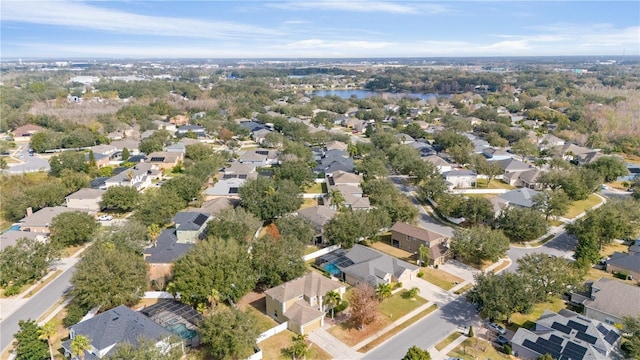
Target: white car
(105, 218)
(499, 329)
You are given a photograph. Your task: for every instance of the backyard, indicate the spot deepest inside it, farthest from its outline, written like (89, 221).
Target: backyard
(495, 184)
(384, 245)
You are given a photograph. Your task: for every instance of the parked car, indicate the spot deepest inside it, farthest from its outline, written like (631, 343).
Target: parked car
(105, 218)
(502, 341)
(497, 328)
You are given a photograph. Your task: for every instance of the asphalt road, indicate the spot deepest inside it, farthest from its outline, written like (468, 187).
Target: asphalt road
(429, 331)
(563, 245)
(37, 305)
(31, 163)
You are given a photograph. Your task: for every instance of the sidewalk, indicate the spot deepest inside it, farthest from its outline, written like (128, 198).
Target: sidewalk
(9, 305)
(333, 346)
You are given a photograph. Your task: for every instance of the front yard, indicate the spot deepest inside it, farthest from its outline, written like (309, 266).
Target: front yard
(580, 206)
(474, 348)
(390, 310)
(272, 348)
(519, 320)
(440, 278)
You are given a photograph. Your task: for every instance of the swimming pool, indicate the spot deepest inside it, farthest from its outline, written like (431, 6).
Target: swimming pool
(182, 331)
(332, 269)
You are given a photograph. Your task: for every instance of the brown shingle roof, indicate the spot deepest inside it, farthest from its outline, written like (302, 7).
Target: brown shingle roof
(417, 232)
(309, 285)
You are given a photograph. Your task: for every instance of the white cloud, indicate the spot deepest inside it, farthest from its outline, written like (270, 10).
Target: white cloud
(342, 5)
(328, 44)
(85, 16)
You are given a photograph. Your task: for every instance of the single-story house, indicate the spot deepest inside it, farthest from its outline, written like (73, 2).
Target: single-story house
(260, 136)
(117, 326)
(549, 141)
(240, 170)
(460, 178)
(355, 124)
(513, 165)
(363, 264)
(405, 138)
(496, 154)
(609, 300)
(214, 206)
(526, 179)
(343, 178)
(335, 145)
(225, 188)
(300, 302)
(423, 147)
(40, 220)
(87, 199)
(522, 197)
(11, 237)
(133, 146)
(319, 216)
(623, 262)
(165, 125)
(571, 151)
(199, 131)
(441, 164)
(565, 335)
(165, 160)
(409, 238)
(24, 132)
(634, 173)
(259, 157)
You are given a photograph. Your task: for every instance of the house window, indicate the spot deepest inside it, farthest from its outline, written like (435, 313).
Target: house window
(609, 321)
(275, 313)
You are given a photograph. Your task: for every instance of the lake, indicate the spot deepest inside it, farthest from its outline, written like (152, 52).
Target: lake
(363, 93)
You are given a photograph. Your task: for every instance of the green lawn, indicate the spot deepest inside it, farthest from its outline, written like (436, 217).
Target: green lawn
(439, 278)
(451, 338)
(578, 207)
(495, 184)
(519, 320)
(396, 306)
(316, 188)
(263, 322)
(273, 346)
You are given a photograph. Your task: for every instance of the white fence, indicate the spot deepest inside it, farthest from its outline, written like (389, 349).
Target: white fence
(479, 191)
(157, 295)
(274, 330)
(256, 356)
(321, 252)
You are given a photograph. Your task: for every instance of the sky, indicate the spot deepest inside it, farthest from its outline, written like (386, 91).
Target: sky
(316, 28)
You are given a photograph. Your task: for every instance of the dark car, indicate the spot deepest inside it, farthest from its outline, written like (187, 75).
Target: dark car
(502, 341)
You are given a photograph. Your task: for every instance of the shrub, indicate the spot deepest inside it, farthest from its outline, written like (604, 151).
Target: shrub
(420, 274)
(12, 290)
(75, 313)
(397, 285)
(506, 349)
(343, 305)
(412, 293)
(621, 275)
(470, 334)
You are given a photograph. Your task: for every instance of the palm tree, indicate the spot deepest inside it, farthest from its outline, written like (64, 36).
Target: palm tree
(79, 344)
(153, 232)
(213, 298)
(47, 331)
(336, 198)
(300, 347)
(383, 291)
(332, 298)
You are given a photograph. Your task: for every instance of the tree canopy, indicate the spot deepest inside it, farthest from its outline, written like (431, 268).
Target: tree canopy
(549, 275)
(521, 224)
(480, 243)
(416, 353)
(29, 346)
(229, 334)
(277, 259)
(72, 228)
(269, 199)
(501, 295)
(25, 262)
(234, 223)
(120, 198)
(350, 226)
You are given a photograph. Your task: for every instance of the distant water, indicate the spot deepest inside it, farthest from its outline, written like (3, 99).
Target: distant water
(363, 93)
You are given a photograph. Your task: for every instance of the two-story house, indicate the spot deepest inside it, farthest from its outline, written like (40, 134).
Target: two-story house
(409, 238)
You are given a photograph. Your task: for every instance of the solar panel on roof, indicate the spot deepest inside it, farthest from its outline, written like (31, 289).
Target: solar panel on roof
(574, 325)
(586, 337)
(539, 348)
(242, 176)
(200, 219)
(561, 328)
(603, 330)
(233, 190)
(574, 351)
(262, 152)
(611, 337)
(556, 339)
(549, 344)
(228, 176)
(157, 158)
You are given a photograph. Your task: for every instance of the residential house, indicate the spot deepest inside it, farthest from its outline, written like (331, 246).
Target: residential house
(423, 147)
(479, 145)
(362, 264)
(354, 124)
(300, 302)
(39, 221)
(113, 327)
(190, 225)
(522, 197)
(172, 314)
(334, 160)
(24, 132)
(409, 238)
(260, 136)
(225, 188)
(199, 131)
(633, 173)
(460, 178)
(566, 335)
(179, 120)
(335, 145)
(570, 151)
(609, 300)
(259, 157)
(441, 164)
(348, 184)
(527, 179)
(139, 177)
(549, 141)
(86, 198)
(253, 126)
(133, 146)
(11, 237)
(496, 154)
(100, 160)
(165, 125)
(162, 254)
(240, 170)
(214, 206)
(625, 263)
(319, 216)
(165, 160)
(589, 157)
(405, 138)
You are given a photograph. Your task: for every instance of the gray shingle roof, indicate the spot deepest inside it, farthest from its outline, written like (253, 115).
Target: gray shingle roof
(614, 297)
(318, 215)
(190, 220)
(167, 249)
(119, 325)
(625, 261)
(522, 197)
(371, 266)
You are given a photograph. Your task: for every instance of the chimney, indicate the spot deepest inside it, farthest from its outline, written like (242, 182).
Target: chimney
(29, 211)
